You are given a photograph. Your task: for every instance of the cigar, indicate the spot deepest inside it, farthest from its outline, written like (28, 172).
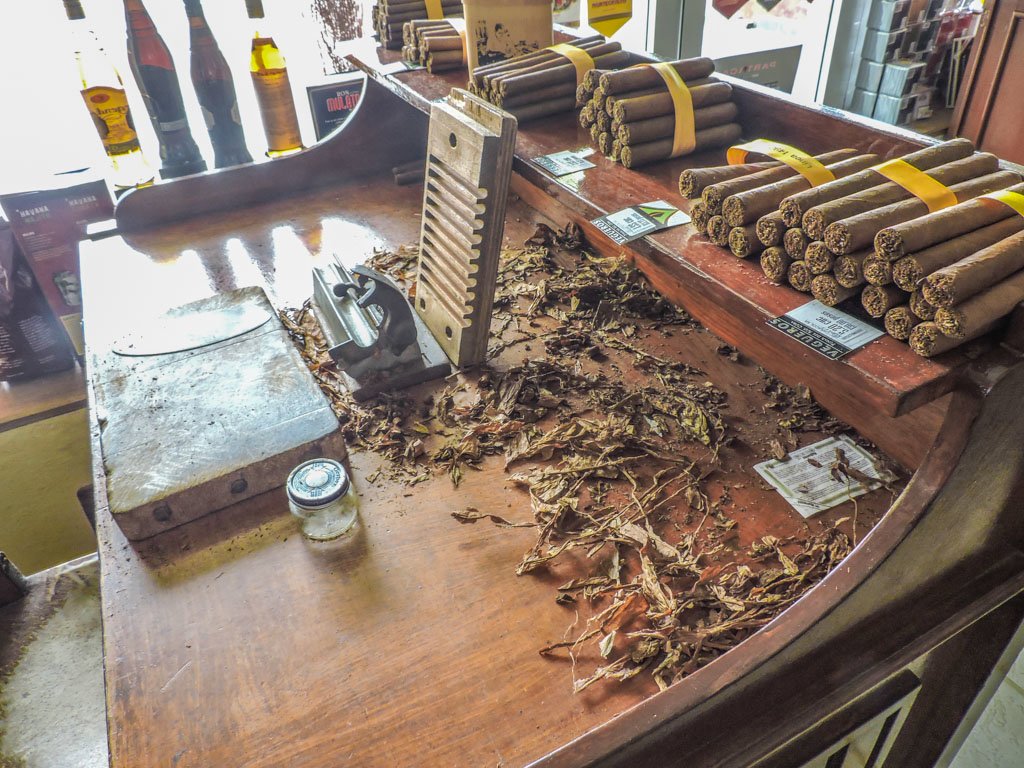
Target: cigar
(587, 116)
(816, 219)
(771, 229)
(743, 241)
(693, 180)
(639, 78)
(879, 299)
(974, 274)
(921, 307)
(709, 138)
(606, 56)
(829, 292)
(799, 275)
(603, 121)
(927, 340)
(775, 263)
(912, 269)
(910, 236)
(610, 102)
(923, 159)
(859, 231)
(983, 310)
(643, 105)
(900, 321)
(795, 242)
(604, 142)
(442, 60)
(745, 207)
(718, 230)
(698, 214)
(664, 127)
(877, 271)
(616, 151)
(849, 270)
(714, 194)
(529, 59)
(820, 260)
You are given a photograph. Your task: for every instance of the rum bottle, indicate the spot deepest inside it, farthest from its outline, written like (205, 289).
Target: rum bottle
(273, 90)
(215, 88)
(154, 72)
(104, 96)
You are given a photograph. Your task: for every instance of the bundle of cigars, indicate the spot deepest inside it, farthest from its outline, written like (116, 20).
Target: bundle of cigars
(437, 45)
(631, 113)
(389, 16)
(935, 279)
(543, 82)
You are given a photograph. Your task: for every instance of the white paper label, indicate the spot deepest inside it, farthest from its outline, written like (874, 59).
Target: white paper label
(639, 220)
(563, 163)
(826, 330)
(805, 478)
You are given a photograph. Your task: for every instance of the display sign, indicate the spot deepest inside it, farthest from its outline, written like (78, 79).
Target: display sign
(639, 220)
(331, 104)
(827, 330)
(772, 69)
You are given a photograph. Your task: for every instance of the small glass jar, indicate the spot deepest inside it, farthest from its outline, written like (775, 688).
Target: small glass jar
(321, 495)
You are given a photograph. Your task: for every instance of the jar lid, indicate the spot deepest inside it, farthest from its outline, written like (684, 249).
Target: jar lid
(316, 483)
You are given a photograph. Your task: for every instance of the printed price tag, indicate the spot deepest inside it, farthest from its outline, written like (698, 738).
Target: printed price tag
(810, 478)
(826, 330)
(564, 163)
(639, 220)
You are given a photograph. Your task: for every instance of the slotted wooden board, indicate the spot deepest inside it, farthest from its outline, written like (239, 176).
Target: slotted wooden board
(469, 163)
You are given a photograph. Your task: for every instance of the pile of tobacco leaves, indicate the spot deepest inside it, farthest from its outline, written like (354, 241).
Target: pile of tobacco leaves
(618, 463)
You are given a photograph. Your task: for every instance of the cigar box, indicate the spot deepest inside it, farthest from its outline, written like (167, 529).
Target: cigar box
(497, 30)
(900, 77)
(882, 46)
(895, 110)
(889, 15)
(869, 76)
(863, 102)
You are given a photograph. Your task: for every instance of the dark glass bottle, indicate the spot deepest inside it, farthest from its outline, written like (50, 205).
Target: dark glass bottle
(215, 88)
(157, 79)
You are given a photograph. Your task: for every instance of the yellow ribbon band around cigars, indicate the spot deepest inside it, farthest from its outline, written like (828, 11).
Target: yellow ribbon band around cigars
(459, 25)
(932, 193)
(685, 137)
(1013, 199)
(807, 166)
(434, 10)
(579, 58)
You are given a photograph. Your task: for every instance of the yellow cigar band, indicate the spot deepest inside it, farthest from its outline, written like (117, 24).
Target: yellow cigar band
(685, 137)
(1013, 199)
(932, 193)
(808, 167)
(579, 58)
(434, 9)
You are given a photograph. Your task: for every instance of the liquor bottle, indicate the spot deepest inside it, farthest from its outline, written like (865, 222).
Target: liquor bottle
(104, 96)
(273, 90)
(157, 79)
(215, 88)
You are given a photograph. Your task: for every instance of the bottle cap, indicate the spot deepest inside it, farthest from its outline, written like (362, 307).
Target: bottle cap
(316, 483)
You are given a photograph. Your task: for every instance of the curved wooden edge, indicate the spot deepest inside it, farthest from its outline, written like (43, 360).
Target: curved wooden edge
(380, 134)
(947, 528)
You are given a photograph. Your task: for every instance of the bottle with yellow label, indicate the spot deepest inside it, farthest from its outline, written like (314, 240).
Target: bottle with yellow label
(104, 96)
(273, 90)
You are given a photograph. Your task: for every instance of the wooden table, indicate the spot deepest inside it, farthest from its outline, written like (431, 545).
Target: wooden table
(233, 641)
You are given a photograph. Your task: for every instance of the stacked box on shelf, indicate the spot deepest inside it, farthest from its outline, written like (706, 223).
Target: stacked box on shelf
(882, 43)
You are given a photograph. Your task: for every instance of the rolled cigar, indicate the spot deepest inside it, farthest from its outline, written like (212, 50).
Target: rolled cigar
(529, 59)
(859, 231)
(616, 150)
(611, 101)
(879, 299)
(923, 159)
(587, 116)
(583, 93)
(638, 78)
(709, 138)
(921, 307)
(976, 273)
(775, 263)
(692, 181)
(744, 207)
(643, 105)
(771, 229)
(440, 42)
(799, 276)
(607, 56)
(714, 194)
(414, 5)
(900, 321)
(911, 269)
(849, 270)
(591, 80)
(893, 242)
(449, 59)
(698, 213)
(594, 133)
(718, 230)
(927, 340)
(526, 112)
(603, 121)
(743, 241)
(664, 127)
(877, 271)
(604, 142)
(980, 312)
(795, 242)
(556, 91)
(598, 99)
(820, 260)
(816, 219)
(829, 292)
(401, 17)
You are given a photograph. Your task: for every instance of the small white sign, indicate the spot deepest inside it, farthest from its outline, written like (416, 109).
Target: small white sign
(639, 220)
(825, 329)
(809, 480)
(563, 163)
